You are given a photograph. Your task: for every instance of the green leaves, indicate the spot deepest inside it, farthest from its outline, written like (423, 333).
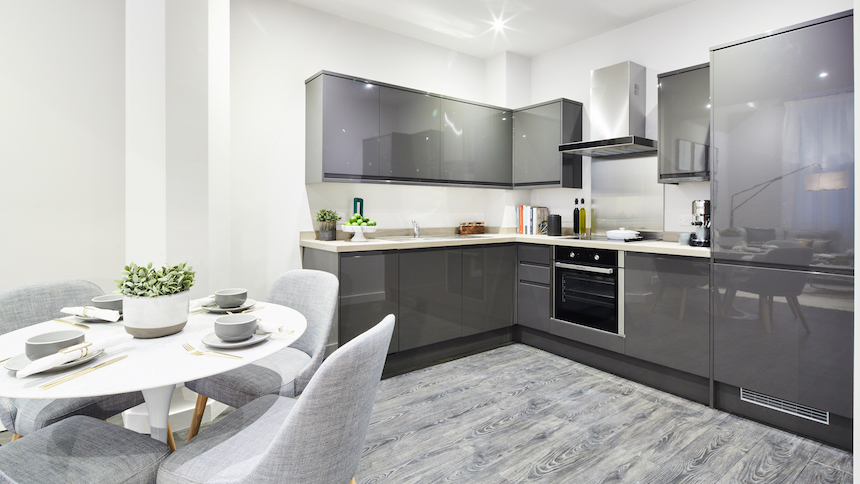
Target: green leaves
(148, 282)
(325, 215)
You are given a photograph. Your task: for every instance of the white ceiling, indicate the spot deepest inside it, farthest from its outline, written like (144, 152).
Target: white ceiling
(532, 27)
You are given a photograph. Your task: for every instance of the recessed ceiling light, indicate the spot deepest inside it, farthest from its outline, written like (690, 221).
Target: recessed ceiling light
(499, 24)
(823, 74)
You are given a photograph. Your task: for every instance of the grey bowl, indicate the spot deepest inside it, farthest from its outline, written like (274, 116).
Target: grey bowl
(108, 301)
(230, 298)
(235, 327)
(46, 344)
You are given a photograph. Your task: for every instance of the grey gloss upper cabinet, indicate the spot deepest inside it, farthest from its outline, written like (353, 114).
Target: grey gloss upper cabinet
(666, 320)
(538, 130)
(410, 135)
(684, 109)
(476, 143)
(342, 126)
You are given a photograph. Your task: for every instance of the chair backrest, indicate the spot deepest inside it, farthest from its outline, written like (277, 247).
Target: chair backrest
(322, 438)
(23, 306)
(314, 294)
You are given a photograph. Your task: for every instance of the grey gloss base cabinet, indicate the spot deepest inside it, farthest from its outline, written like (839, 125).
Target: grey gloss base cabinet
(436, 295)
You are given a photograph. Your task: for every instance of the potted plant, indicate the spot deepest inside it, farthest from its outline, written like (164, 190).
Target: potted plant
(155, 301)
(328, 223)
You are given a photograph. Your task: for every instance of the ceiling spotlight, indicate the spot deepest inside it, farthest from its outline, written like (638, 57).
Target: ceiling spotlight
(823, 74)
(499, 24)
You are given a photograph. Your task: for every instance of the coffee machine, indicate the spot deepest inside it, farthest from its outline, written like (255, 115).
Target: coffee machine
(702, 222)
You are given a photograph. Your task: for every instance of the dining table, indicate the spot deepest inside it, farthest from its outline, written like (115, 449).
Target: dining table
(153, 366)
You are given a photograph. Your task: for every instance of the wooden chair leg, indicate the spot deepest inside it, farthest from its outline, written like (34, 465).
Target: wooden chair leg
(352, 481)
(197, 417)
(16, 437)
(795, 304)
(170, 442)
(764, 311)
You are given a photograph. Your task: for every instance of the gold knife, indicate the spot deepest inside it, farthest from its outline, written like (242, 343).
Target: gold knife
(84, 326)
(78, 373)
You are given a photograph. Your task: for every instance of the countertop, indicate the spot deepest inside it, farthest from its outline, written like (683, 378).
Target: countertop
(651, 247)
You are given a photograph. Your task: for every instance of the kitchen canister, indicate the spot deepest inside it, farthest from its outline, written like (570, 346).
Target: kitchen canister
(553, 225)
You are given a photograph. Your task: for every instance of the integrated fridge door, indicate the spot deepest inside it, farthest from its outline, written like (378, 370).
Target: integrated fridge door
(783, 145)
(787, 336)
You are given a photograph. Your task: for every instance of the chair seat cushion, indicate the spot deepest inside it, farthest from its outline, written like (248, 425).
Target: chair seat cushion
(272, 375)
(83, 449)
(25, 416)
(231, 448)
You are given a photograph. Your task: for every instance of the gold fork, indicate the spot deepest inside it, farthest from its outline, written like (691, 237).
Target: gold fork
(197, 352)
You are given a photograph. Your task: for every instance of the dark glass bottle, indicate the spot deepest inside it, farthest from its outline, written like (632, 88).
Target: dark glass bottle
(576, 217)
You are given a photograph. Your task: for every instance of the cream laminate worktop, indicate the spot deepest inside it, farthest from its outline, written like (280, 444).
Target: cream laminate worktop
(651, 247)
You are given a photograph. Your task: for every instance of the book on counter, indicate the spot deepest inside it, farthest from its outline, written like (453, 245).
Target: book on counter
(532, 220)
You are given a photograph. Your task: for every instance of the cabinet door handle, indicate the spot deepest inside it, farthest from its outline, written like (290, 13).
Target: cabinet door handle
(577, 267)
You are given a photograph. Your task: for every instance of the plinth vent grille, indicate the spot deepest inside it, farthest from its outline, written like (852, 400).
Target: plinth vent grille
(785, 406)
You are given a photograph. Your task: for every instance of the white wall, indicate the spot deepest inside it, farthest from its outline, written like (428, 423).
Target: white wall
(275, 46)
(62, 146)
(678, 38)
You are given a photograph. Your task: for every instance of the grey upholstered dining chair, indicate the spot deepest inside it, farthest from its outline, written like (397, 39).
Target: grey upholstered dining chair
(287, 372)
(82, 449)
(315, 439)
(34, 303)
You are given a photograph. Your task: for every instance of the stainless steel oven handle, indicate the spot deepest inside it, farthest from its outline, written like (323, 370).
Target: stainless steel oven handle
(577, 267)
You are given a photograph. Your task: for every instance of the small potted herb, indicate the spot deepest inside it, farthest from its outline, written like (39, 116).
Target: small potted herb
(328, 223)
(155, 301)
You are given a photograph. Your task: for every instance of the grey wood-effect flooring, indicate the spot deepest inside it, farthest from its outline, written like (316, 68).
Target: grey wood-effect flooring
(518, 414)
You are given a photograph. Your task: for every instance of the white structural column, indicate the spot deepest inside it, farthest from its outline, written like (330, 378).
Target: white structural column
(145, 134)
(220, 192)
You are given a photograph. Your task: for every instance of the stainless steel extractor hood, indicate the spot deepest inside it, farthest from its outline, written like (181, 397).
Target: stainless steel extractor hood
(617, 114)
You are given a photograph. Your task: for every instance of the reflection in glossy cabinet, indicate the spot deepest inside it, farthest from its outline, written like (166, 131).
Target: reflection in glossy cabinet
(431, 289)
(488, 288)
(666, 311)
(786, 334)
(368, 292)
(342, 123)
(410, 135)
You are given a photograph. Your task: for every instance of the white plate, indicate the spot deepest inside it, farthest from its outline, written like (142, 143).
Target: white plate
(212, 308)
(214, 341)
(20, 361)
(96, 320)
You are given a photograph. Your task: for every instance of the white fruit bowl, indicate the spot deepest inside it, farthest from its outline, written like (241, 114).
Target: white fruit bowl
(359, 231)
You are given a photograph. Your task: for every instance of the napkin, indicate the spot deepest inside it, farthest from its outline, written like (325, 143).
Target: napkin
(88, 312)
(203, 301)
(57, 359)
(270, 327)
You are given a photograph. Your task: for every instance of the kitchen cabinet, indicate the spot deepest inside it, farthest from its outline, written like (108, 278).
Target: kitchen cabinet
(488, 288)
(666, 317)
(369, 290)
(342, 129)
(431, 296)
(476, 143)
(410, 135)
(684, 112)
(363, 130)
(538, 131)
(786, 334)
(534, 294)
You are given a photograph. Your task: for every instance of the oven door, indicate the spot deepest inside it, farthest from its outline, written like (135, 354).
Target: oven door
(587, 295)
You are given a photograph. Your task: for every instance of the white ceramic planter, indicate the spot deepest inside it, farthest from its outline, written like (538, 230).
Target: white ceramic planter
(152, 317)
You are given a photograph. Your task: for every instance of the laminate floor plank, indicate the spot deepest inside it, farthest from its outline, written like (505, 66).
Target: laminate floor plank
(517, 414)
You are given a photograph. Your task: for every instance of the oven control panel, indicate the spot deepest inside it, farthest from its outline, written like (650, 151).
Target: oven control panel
(601, 257)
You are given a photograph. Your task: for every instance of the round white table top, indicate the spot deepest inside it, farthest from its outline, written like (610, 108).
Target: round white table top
(151, 363)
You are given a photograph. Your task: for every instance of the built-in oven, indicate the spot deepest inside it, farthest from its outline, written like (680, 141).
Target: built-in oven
(587, 288)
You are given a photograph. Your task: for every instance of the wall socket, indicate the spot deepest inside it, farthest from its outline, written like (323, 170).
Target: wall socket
(685, 218)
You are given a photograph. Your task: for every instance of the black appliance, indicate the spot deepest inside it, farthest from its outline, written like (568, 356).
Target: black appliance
(586, 287)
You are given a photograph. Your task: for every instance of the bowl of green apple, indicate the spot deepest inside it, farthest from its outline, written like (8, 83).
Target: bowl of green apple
(359, 225)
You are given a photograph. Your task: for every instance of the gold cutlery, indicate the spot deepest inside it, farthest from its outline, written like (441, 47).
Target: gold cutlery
(197, 352)
(79, 373)
(84, 326)
(5, 359)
